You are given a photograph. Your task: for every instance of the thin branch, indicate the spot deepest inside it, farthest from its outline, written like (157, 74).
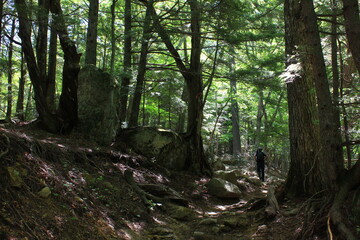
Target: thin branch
(350, 143)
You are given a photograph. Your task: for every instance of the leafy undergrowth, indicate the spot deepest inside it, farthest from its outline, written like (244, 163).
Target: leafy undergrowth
(67, 187)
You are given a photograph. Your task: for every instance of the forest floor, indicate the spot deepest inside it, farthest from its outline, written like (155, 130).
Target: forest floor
(69, 188)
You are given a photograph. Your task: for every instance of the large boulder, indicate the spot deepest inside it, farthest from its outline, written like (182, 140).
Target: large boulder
(167, 148)
(223, 189)
(229, 175)
(97, 104)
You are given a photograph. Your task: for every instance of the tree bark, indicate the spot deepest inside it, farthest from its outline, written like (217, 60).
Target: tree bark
(49, 121)
(42, 40)
(235, 120)
(352, 28)
(344, 112)
(135, 108)
(335, 72)
(20, 99)
(68, 100)
(91, 36)
(51, 76)
(113, 37)
(10, 73)
(331, 157)
(1, 16)
(259, 116)
(304, 133)
(124, 90)
(194, 84)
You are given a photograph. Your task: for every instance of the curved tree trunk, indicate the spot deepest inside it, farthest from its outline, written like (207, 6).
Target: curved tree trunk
(68, 108)
(48, 120)
(66, 118)
(194, 84)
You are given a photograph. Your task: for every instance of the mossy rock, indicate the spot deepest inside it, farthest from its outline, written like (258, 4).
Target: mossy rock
(97, 104)
(166, 147)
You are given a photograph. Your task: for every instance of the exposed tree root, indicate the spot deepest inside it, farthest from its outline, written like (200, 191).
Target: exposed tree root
(273, 206)
(7, 147)
(351, 181)
(332, 208)
(145, 197)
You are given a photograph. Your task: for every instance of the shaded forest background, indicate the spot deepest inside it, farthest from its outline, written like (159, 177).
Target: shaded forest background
(242, 58)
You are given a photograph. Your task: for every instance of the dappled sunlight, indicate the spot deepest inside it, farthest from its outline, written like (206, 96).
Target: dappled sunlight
(158, 221)
(229, 207)
(136, 226)
(221, 207)
(213, 214)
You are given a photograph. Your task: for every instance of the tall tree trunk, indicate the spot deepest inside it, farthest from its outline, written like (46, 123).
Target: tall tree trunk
(194, 83)
(135, 108)
(28, 107)
(104, 55)
(344, 112)
(48, 120)
(314, 66)
(193, 79)
(51, 76)
(67, 117)
(335, 76)
(68, 99)
(352, 28)
(10, 73)
(1, 16)
(181, 123)
(259, 116)
(304, 134)
(236, 143)
(20, 99)
(113, 37)
(124, 90)
(42, 40)
(91, 36)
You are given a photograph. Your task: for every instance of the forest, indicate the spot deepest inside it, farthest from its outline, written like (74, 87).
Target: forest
(119, 117)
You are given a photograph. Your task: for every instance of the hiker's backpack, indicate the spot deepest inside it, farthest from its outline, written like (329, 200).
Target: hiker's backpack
(260, 156)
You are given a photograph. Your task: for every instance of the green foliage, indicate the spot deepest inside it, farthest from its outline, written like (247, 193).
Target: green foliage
(242, 41)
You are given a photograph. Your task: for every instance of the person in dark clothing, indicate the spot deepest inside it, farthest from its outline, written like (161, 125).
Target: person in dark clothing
(260, 157)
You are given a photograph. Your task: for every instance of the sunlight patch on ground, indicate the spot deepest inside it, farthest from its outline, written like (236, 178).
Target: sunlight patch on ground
(124, 235)
(136, 226)
(212, 213)
(221, 207)
(159, 221)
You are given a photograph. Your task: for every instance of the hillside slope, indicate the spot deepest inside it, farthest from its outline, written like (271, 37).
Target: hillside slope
(69, 188)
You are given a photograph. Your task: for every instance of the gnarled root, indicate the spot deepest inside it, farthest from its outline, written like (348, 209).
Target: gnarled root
(7, 147)
(351, 181)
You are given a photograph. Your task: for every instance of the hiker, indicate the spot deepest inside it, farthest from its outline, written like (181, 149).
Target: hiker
(260, 157)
